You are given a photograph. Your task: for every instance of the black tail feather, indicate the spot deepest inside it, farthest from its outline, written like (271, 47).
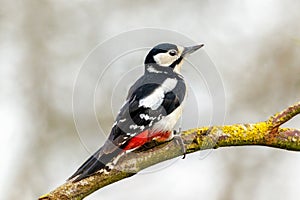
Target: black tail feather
(95, 163)
(86, 165)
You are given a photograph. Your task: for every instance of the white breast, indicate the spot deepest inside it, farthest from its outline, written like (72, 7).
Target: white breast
(168, 122)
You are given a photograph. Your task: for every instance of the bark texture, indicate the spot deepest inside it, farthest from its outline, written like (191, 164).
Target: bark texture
(266, 133)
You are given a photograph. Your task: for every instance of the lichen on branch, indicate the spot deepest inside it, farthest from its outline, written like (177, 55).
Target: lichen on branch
(266, 133)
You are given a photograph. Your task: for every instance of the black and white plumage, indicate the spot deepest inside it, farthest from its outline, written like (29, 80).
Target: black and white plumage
(150, 112)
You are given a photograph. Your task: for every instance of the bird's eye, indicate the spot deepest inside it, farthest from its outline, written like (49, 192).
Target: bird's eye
(172, 52)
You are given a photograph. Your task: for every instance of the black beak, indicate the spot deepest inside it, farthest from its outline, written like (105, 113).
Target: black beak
(189, 50)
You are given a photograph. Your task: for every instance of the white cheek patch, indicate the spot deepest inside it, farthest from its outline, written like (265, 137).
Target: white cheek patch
(164, 59)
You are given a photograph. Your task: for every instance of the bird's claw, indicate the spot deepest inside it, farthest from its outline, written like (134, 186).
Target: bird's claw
(179, 141)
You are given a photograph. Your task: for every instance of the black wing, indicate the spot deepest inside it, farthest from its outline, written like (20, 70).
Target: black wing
(129, 123)
(134, 118)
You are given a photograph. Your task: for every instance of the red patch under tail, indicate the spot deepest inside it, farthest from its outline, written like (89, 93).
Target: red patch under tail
(145, 137)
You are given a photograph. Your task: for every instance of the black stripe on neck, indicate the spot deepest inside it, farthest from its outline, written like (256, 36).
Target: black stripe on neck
(173, 65)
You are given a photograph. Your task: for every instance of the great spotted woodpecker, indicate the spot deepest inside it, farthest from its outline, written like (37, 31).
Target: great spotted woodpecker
(152, 108)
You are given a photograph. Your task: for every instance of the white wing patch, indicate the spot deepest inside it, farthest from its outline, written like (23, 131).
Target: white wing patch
(153, 70)
(122, 120)
(146, 117)
(155, 99)
(116, 122)
(134, 126)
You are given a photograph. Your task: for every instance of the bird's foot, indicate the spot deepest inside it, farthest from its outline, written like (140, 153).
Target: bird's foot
(179, 141)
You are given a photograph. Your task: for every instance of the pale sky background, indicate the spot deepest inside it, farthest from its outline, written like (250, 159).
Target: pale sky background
(253, 45)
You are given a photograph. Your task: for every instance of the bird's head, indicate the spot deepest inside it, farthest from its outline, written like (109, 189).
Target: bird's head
(168, 56)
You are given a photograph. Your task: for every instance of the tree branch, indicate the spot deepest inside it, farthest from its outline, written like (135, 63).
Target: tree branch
(267, 133)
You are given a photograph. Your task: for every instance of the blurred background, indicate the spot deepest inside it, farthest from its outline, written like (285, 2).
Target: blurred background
(254, 45)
